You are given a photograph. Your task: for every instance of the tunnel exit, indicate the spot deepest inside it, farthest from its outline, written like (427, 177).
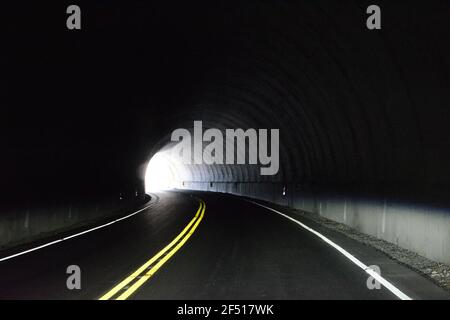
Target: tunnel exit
(161, 173)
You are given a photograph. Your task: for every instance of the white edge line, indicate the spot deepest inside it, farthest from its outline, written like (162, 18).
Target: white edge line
(349, 256)
(74, 235)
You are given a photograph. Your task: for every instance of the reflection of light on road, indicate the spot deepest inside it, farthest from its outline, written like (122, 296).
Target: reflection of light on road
(160, 173)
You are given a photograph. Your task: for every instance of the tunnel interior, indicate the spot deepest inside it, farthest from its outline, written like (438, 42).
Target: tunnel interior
(361, 113)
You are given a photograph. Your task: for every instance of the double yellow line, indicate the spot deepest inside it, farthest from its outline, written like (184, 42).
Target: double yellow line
(131, 283)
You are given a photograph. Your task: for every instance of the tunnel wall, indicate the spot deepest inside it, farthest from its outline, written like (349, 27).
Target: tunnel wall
(419, 228)
(28, 225)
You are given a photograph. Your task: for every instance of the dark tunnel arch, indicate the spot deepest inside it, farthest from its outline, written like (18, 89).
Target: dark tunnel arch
(354, 107)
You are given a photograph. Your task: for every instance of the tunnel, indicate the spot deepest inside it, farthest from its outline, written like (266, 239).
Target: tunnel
(363, 115)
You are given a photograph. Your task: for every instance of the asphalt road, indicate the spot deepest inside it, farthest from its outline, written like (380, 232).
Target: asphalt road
(230, 249)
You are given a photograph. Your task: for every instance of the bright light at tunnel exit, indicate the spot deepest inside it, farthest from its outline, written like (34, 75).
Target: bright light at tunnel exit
(160, 174)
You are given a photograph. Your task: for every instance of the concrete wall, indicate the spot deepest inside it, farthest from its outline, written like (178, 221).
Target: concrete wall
(421, 229)
(28, 225)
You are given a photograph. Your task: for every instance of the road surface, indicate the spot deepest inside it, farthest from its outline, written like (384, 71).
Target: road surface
(207, 246)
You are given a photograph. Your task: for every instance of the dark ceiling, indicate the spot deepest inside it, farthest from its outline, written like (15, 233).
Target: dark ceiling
(82, 111)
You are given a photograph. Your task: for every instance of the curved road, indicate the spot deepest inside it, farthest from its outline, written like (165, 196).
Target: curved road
(230, 249)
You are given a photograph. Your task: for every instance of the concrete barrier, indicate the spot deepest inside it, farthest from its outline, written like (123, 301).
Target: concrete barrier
(32, 224)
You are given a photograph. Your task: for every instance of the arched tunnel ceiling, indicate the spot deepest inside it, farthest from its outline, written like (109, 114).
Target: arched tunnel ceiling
(354, 107)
